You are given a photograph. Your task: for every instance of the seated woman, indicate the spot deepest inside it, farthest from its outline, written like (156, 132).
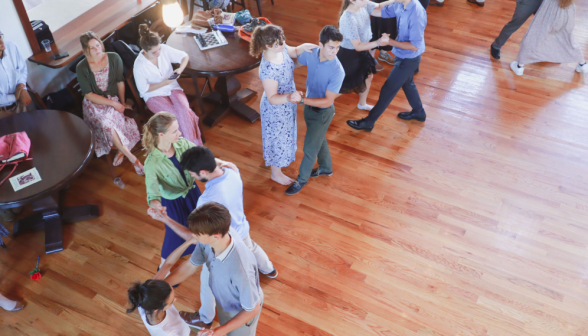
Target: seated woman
(101, 80)
(154, 299)
(152, 71)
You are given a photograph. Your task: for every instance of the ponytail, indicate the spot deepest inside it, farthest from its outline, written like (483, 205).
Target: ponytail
(150, 295)
(149, 39)
(159, 123)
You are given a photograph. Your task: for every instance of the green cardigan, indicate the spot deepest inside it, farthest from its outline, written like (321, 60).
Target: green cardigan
(162, 177)
(88, 82)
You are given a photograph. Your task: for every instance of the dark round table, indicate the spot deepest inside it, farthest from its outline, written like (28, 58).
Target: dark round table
(224, 63)
(61, 147)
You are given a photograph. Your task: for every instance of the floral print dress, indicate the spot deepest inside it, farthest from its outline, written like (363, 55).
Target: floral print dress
(102, 119)
(278, 122)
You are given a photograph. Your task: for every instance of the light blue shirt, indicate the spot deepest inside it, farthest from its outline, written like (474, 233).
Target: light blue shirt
(322, 76)
(356, 26)
(13, 71)
(411, 22)
(228, 191)
(234, 277)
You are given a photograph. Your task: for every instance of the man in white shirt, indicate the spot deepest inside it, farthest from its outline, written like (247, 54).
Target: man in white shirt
(14, 97)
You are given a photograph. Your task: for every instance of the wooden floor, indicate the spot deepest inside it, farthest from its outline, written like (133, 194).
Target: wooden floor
(473, 223)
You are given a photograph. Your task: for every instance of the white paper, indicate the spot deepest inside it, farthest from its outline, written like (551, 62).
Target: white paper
(189, 29)
(25, 179)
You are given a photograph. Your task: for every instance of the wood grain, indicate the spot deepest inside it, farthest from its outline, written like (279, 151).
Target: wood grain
(474, 223)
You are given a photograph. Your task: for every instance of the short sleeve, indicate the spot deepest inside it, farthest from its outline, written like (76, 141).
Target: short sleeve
(247, 287)
(197, 258)
(118, 65)
(336, 81)
(303, 59)
(82, 71)
(174, 55)
(348, 27)
(389, 12)
(370, 7)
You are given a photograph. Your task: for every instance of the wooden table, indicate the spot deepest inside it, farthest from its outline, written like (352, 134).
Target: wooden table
(61, 146)
(224, 63)
(103, 19)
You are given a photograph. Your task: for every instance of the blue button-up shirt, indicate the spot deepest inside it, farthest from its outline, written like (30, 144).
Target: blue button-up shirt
(411, 22)
(13, 71)
(322, 76)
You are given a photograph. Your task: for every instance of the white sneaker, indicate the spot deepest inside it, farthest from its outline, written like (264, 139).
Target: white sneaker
(365, 107)
(582, 68)
(514, 66)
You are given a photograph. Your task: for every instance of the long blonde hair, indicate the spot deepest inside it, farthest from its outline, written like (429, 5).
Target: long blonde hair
(159, 123)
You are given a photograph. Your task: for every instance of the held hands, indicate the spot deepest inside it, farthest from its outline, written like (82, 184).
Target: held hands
(159, 213)
(384, 39)
(295, 97)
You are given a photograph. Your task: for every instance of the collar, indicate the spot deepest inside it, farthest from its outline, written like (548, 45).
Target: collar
(159, 154)
(318, 57)
(227, 251)
(410, 6)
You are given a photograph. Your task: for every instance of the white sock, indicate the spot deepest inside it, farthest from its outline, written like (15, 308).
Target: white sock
(7, 304)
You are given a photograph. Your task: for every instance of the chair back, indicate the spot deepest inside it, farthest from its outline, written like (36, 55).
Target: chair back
(76, 92)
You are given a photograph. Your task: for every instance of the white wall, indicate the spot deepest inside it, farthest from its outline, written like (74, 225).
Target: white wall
(42, 79)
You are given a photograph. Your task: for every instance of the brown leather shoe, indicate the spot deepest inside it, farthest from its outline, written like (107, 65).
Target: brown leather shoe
(193, 320)
(436, 3)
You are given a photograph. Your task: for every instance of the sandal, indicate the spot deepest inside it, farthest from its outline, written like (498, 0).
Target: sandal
(118, 159)
(139, 169)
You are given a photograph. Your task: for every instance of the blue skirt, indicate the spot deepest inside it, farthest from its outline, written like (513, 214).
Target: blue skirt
(178, 209)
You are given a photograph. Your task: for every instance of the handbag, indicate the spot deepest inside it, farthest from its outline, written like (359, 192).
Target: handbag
(200, 18)
(14, 149)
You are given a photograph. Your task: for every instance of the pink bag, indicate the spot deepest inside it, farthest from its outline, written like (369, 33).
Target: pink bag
(14, 149)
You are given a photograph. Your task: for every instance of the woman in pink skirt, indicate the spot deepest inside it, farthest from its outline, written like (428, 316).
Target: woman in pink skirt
(101, 80)
(152, 70)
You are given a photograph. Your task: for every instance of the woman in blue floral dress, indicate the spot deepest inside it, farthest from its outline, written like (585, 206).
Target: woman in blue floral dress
(278, 103)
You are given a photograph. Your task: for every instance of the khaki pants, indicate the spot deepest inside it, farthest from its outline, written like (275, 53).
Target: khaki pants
(20, 107)
(248, 329)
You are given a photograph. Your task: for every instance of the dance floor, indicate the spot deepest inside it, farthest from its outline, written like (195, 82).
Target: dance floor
(472, 223)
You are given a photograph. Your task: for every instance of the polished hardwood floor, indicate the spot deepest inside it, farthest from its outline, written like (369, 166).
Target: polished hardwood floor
(473, 223)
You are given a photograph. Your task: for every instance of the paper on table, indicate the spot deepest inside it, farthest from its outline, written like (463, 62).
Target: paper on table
(189, 29)
(25, 179)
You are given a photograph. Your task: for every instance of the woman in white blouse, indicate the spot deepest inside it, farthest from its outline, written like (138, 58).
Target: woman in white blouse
(152, 71)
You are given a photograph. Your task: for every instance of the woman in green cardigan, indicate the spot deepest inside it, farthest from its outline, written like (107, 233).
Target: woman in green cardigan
(101, 80)
(169, 188)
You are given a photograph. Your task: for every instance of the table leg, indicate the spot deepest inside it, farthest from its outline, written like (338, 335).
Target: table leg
(48, 217)
(229, 95)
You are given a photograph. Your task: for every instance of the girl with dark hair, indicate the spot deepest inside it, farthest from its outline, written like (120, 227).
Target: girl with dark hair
(278, 103)
(153, 76)
(550, 38)
(169, 187)
(101, 80)
(354, 55)
(154, 299)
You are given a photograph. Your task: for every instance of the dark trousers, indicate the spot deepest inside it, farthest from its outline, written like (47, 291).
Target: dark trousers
(401, 76)
(315, 142)
(524, 10)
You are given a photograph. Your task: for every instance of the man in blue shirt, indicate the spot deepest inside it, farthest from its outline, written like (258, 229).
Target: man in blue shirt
(323, 82)
(411, 19)
(14, 97)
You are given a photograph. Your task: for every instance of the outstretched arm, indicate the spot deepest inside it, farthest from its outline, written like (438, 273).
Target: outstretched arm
(173, 258)
(294, 52)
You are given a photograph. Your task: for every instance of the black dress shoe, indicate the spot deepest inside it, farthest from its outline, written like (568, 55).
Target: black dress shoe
(481, 4)
(316, 172)
(494, 52)
(360, 125)
(295, 188)
(411, 116)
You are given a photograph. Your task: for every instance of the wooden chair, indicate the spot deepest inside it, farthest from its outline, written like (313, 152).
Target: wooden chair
(37, 101)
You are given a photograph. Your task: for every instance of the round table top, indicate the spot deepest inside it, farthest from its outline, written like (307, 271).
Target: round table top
(61, 145)
(221, 61)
